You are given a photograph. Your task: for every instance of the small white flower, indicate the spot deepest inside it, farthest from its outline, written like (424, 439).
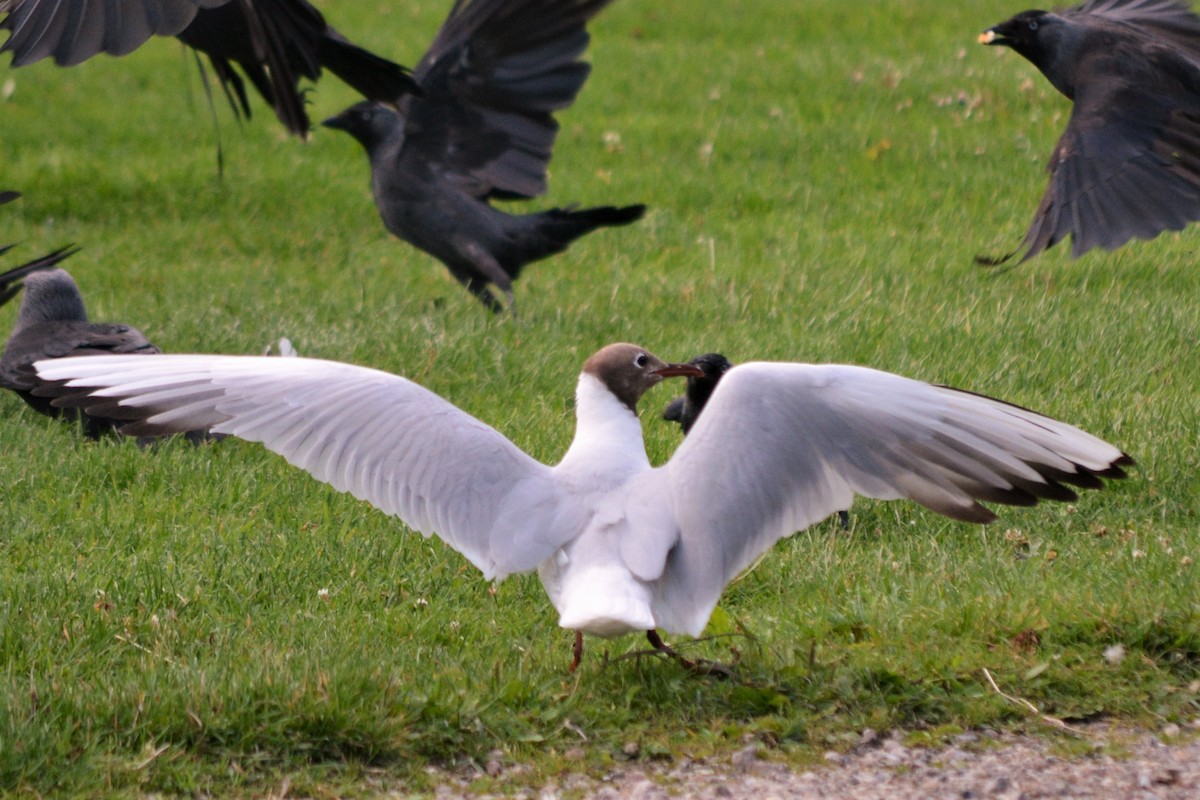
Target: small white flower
(1114, 654)
(323, 594)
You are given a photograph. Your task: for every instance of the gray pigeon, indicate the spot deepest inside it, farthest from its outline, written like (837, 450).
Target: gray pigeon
(483, 128)
(52, 323)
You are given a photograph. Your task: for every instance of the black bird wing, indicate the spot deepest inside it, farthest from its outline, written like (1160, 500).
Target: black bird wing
(275, 44)
(1169, 21)
(73, 32)
(1128, 163)
(492, 79)
(10, 281)
(7, 196)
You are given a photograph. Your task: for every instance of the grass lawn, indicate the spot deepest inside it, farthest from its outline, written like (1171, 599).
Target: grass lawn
(820, 176)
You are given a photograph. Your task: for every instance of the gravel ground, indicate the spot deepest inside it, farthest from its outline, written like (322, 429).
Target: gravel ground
(1125, 764)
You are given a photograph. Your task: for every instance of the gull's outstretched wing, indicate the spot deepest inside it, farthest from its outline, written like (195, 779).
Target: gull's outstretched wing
(380, 437)
(782, 446)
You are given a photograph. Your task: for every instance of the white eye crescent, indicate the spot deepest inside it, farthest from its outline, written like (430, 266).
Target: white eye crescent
(641, 360)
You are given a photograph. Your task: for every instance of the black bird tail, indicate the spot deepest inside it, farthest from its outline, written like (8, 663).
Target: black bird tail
(372, 76)
(10, 281)
(552, 231)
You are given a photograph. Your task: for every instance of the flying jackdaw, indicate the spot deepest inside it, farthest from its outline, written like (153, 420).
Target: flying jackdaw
(482, 129)
(275, 42)
(1128, 163)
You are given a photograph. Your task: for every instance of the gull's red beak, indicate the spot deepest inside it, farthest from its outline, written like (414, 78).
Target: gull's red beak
(679, 370)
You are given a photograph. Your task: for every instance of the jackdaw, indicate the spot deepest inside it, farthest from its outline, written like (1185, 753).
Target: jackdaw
(687, 408)
(275, 42)
(1128, 163)
(482, 129)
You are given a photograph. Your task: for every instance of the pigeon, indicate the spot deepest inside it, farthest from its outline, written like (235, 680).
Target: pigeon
(481, 129)
(275, 42)
(620, 546)
(52, 323)
(1128, 163)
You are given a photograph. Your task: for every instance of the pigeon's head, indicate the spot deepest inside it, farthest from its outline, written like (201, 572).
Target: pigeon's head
(628, 371)
(51, 295)
(369, 122)
(1025, 33)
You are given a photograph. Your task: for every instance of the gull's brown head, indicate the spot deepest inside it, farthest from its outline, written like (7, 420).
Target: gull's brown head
(628, 371)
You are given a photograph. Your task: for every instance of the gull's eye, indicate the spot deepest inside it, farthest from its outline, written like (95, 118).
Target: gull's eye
(641, 361)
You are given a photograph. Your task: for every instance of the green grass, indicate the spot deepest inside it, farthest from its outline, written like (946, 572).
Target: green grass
(819, 180)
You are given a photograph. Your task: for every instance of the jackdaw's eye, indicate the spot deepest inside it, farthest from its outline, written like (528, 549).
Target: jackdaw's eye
(1033, 25)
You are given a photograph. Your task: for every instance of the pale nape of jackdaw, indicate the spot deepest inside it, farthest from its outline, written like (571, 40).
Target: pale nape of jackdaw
(52, 323)
(275, 42)
(483, 129)
(1128, 163)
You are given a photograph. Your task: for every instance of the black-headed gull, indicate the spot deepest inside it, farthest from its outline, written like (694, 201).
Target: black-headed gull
(620, 545)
